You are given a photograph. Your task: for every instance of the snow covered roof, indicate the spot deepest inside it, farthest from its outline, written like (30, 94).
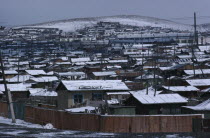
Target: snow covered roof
(159, 98)
(8, 72)
(118, 61)
(50, 73)
(151, 76)
(204, 106)
(197, 71)
(95, 85)
(184, 56)
(118, 93)
(142, 45)
(115, 66)
(70, 73)
(45, 79)
(80, 63)
(81, 109)
(181, 88)
(36, 72)
(22, 78)
(41, 92)
(204, 48)
(106, 73)
(199, 82)
(176, 66)
(20, 63)
(85, 59)
(151, 91)
(14, 87)
(206, 90)
(39, 66)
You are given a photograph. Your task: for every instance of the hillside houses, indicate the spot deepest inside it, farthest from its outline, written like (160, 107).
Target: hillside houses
(106, 66)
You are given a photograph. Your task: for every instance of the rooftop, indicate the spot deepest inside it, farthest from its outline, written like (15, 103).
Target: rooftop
(95, 85)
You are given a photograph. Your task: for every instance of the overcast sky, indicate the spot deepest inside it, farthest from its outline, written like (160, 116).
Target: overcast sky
(19, 12)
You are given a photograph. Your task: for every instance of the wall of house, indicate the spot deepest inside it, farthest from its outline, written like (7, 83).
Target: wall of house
(63, 99)
(66, 99)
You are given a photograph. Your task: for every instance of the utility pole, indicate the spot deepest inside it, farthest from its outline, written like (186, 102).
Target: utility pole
(18, 64)
(195, 30)
(8, 94)
(195, 45)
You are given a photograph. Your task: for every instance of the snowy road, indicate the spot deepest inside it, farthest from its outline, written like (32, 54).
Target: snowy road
(7, 130)
(11, 131)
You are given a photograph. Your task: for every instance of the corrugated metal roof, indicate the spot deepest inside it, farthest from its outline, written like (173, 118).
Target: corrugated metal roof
(159, 98)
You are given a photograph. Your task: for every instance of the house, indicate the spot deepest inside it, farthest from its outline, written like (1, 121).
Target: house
(199, 72)
(40, 96)
(19, 78)
(44, 81)
(80, 60)
(186, 91)
(35, 72)
(8, 73)
(71, 75)
(104, 75)
(151, 103)
(18, 91)
(73, 93)
(202, 108)
(199, 83)
(128, 74)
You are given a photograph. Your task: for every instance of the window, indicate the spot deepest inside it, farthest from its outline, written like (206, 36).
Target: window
(78, 98)
(97, 96)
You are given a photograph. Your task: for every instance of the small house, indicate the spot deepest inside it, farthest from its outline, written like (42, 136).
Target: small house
(73, 93)
(149, 102)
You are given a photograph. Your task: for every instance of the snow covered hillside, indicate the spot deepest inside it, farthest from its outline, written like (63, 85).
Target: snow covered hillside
(79, 23)
(206, 26)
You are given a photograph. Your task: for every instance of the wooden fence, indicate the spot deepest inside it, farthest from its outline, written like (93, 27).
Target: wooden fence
(3, 109)
(108, 123)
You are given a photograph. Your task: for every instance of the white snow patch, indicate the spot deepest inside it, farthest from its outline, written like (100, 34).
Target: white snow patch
(97, 135)
(48, 126)
(19, 122)
(16, 132)
(54, 134)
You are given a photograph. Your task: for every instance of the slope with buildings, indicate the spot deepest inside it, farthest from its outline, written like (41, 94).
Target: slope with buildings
(107, 67)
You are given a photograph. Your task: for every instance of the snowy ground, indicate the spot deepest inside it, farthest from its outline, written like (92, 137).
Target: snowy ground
(24, 129)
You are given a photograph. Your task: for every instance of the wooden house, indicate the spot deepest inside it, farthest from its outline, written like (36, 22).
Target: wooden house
(186, 91)
(73, 93)
(151, 103)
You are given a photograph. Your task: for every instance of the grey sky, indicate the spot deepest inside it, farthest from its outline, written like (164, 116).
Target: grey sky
(17, 12)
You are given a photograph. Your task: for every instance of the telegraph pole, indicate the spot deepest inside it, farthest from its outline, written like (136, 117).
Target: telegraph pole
(195, 45)
(8, 94)
(195, 30)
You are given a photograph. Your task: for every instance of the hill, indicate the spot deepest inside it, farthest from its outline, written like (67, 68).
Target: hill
(79, 23)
